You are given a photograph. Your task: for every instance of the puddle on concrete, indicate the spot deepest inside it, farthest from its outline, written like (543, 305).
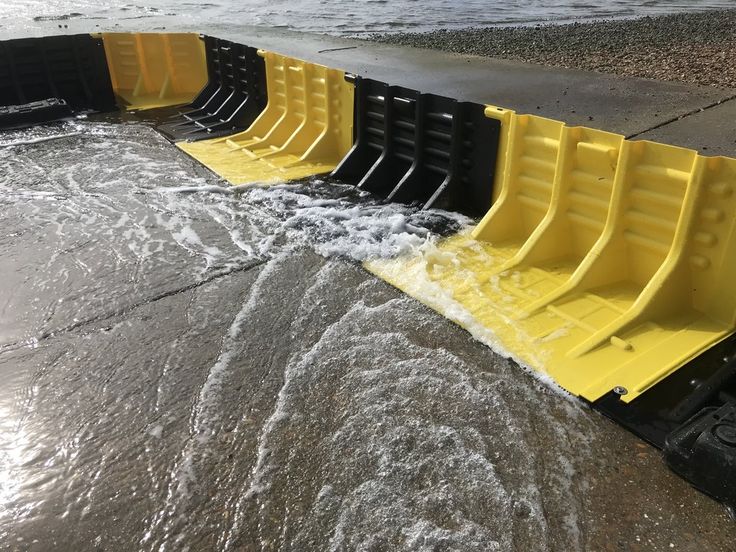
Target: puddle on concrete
(188, 366)
(115, 217)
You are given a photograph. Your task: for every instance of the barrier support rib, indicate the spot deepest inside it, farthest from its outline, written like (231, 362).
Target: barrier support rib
(422, 148)
(603, 262)
(305, 129)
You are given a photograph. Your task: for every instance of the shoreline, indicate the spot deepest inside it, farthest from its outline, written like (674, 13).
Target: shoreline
(693, 48)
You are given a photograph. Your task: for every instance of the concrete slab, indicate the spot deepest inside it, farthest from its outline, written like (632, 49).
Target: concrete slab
(625, 105)
(168, 382)
(711, 131)
(88, 228)
(609, 102)
(303, 403)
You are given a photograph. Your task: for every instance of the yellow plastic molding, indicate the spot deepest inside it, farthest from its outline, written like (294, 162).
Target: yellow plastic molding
(604, 263)
(306, 128)
(155, 69)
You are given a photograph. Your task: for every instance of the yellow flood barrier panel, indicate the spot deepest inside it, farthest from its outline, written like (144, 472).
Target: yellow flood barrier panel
(151, 70)
(604, 263)
(306, 128)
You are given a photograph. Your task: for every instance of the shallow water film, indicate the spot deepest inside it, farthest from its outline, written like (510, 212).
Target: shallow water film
(191, 366)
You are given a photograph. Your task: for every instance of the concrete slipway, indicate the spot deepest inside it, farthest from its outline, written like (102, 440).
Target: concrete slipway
(187, 368)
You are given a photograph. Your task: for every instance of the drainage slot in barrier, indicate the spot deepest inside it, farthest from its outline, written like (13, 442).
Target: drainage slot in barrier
(70, 68)
(150, 70)
(305, 129)
(234, 96)
(413, 147)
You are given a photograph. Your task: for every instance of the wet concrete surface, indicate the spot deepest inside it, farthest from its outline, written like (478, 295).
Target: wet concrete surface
(710, 131)
(221, 374)
(84, 242)
(609, 102)
(626, 105)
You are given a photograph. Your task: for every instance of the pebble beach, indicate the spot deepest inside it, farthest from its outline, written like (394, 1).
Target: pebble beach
(696, 48)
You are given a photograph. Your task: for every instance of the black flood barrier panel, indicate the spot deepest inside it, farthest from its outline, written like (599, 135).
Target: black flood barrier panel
(72, 68)
(33, 113)
(703, 451)
(691, 415)
(234, 96)
(707, 381)
(414, 147)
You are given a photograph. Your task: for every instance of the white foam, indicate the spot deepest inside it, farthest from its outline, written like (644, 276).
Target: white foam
(339, 227)
(414, 448)
(156, 431)
(415, 281)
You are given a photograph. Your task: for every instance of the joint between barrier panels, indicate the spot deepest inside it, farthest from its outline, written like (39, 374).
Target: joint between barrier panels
(409, 147)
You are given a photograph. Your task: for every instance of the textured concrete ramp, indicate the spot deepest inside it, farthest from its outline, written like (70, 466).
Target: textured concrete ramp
(290, 407)
(210, 381)
(84, 232)
(613, 103)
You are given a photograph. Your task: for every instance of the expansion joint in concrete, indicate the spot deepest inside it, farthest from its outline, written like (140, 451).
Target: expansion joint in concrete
(683, 116)
(131, 308)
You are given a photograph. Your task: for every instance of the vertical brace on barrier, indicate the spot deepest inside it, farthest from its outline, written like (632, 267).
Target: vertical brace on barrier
(305, 129)
(234, 96)
(213, 94)
(414, 185)
(399, 147)
(368, 131)
(213, 85)
(447, 191)
(474, 151)
(155, 70)
(422, 148)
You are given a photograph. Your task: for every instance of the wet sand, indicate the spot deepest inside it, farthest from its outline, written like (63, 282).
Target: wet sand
(691, 48)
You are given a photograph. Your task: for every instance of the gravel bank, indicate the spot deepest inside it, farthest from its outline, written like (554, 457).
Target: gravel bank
(694, 48)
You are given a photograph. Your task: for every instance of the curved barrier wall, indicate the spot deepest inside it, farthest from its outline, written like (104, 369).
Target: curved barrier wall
(305, 129)
(149, 70)
(603, 262)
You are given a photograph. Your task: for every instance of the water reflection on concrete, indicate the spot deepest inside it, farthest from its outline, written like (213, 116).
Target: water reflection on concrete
(185, 366)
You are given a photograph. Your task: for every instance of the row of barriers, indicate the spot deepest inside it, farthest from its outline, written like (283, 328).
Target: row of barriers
(603, 262)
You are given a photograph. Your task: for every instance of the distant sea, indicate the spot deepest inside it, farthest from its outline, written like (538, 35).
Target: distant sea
(335, 17)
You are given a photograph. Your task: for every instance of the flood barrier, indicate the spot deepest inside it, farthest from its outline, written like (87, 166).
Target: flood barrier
(235, 94)
(149, 70)
(70, 68)
(305, 129)
(413, 147)
(604, 263)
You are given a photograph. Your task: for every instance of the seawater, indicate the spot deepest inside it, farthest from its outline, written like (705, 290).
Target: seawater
(335, 17)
